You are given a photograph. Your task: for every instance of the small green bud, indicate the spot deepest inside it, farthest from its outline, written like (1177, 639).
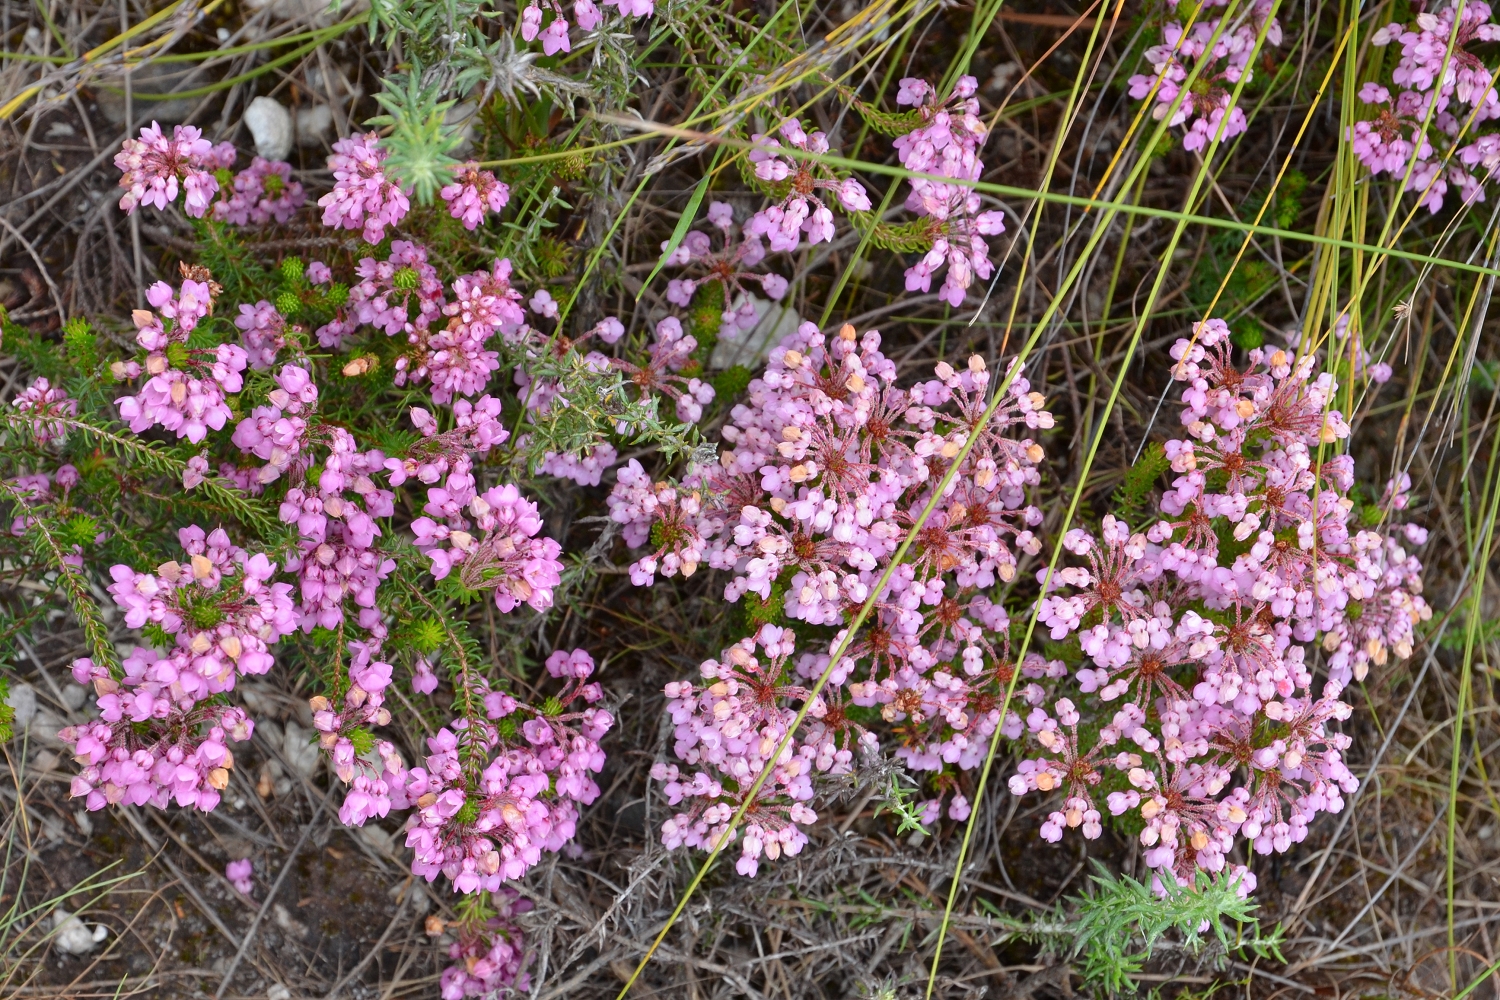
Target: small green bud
(177, 355)
(406, 279)
(291, 268)
(289, 304)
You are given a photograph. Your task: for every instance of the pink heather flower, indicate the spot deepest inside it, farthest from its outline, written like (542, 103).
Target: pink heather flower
(585, 469)
(337, 560)
(508, 558)
(146, 750)
(41, 401)
(491, 959)
(263, 192)
(181, 313)
(154, 166)
(248, 612)
(524, 801)
(531, 22)
(671, 350)
(948, 144)
(633, 8)
(1188, 696)
(277, 433)
(195, 473)
(188, 403)
(241, 875)
(801, 210)
(1387, 142)
(724, 266)
(555, 37)
(362, 198)
(483, 304)
(263, 333)
(1206, 106)
(826, 464)
(1453, 88)
(423, 679)
(473, 193)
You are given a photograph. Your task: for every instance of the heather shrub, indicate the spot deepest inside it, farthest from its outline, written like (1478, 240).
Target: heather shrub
(344, 464)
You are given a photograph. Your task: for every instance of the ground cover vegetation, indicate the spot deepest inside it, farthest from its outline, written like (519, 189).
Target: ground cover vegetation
(749, 499)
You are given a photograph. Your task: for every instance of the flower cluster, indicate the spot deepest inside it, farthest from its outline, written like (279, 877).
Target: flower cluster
(671, 351)
(43, 403)
(1222, 63)
(830, 465)
(723, 267)
(555, 35)
(363, 197)
(504, 783)
(262, 193)
(154, 168)
(263, 333)
(337, 558)
(489, 955)
(1198, 634)
(947, 144)
(1426, 134)
(148, 745)
(799, 210)
(473, 193)
(508, 558)
(182, 758)
(221, 607)
(277, 433)
(241, 875)
(186, 391)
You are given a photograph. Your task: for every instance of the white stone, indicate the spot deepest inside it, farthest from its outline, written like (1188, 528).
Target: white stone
(776, 322)
(378, 840)
(300, 750)
(74, 696)
(314, 125)
(22, 700)
(278, 992)
(270, 125)
(72, 937)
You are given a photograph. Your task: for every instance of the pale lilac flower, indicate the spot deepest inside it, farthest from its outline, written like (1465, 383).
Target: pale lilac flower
(241, 875)
(154, 167)
(44, 403)
(473, 193)
(801, 210)
(362, 197)
(263, 192)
